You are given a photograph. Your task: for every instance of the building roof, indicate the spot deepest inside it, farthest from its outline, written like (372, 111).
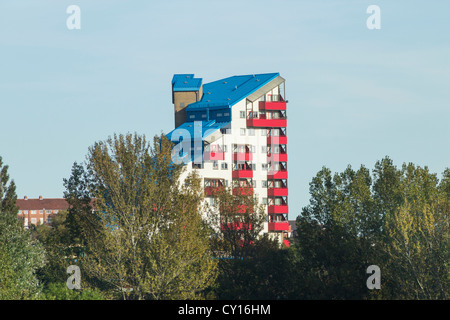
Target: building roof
(197, 130)
(42, 204)
(229, 91)
(186, 82)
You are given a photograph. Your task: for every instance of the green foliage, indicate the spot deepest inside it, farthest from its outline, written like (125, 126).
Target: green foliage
(151, 242)
(59, 291)
(20, 255)
(397, 219)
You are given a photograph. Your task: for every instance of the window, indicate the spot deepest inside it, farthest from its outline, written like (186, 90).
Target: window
(33, 220)
(263, 132)
(253, 165)
(242, 131)
(265, 166)
(33, 212)
(226, 114)
(204, 115)
(264, 201)
(224, 148)
(224, 166)
(219, 114)
(242, 114)
(264, 149)
(215, 165)
(197, 165)
(20, 211)
(55, 211)
(49, 211)
(254, 183)
(264, 183)
(41, 220)
(192, 116)
(25, 222)
(41, 211)
(25, 211)
(251, 132)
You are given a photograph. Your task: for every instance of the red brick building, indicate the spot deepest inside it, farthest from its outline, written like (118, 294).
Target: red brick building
(39, 211)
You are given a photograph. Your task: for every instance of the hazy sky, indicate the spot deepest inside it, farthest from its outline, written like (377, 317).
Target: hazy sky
(355, 94)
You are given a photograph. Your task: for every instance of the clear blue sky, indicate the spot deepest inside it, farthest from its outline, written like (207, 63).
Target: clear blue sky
(355, 95)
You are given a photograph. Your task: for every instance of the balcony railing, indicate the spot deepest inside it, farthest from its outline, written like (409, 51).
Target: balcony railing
(262, 120)
(278, 226)
(276, 140)
(242, 156)
(277, 192)
(273, 209)
(242, 173)
(278, 157)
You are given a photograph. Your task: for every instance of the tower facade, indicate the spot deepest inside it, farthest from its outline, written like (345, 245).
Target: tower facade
(233, 132)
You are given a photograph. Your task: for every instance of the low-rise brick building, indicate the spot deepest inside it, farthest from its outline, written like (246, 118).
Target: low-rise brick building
(40, 210)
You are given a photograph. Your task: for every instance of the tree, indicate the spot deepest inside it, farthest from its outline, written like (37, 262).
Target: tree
(336, 234)
(396, 219)
(153, 243)
(20, 256)
(251, 265)
(417, 236)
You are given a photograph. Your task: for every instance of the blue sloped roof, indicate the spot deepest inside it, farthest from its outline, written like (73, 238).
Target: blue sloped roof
(186, 82)
(196, 130)
(229, 91)
(219, 94)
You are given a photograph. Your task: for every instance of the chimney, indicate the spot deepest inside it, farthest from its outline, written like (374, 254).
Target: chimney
(40, 197)
(25, 198)
(185, 90)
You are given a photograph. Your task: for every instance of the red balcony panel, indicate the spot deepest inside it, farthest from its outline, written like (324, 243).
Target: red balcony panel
(210, 156)
(243, 191)
(271, 175)
(279, 226)
(210, 191)
(286, 242)
(267, 123)
(272, 105)
(277, 192)
(279, 157)
(277, 140)
(284, 208)
(236, 226)
(242, 174)
(242, 156)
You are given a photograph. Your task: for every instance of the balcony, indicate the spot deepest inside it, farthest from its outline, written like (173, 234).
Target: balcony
(243, 156)
(278, 226)
(236, 226)
(276, 140)
(281, 174)
(277, 192)
(282, 208)
(263, 122)
(243, 191)
(278, 157)
(211, 191)
(272, 105)
(210, 156)
(239, 174)
(213, 152)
